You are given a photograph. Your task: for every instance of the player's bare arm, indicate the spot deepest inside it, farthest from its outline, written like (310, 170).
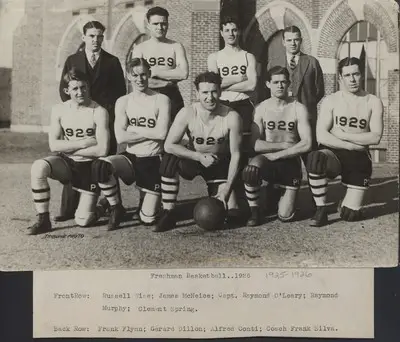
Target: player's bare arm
(160, 131)
(227, 81)
(235, 140)
(324, 126)
(172, 143)
(258, 135)
(180, 72)
(56, 136)
(304, 131)
(102, 136)
(373, 137)
(121, 123)
(250, 83)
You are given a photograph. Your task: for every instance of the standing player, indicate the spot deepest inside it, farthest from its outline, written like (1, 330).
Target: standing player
(106, 83)
(350, 120)
(142, 122)
(237, 68)
(215, 134)
(79, 133)
(167, 58)
(281, 134)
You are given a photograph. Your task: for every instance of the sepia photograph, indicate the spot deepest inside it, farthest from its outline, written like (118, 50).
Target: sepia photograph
(140, 134)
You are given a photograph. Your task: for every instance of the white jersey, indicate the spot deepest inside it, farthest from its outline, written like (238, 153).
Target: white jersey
(78, 123)
(142, 112)
(279, 124)
(232, 64)
(351, 113)
(211, 136)
(159, 54)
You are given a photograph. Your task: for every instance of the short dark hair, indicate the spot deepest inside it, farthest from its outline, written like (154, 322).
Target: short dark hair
(157, 11)
(93, 24)
(208, 77)
(277, 70)
(229, 20)
(136, 62)
(291, 29)
(347, 62)
(75, 74)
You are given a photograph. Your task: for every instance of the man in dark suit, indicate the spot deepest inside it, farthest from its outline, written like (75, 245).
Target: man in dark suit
(106, 84)
(307, 82)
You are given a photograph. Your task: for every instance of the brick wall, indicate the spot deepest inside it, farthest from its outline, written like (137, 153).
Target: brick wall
(27, 71)
(205, 40)
(340, 20)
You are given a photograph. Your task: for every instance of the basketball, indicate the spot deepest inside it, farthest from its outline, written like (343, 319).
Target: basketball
(209, 213)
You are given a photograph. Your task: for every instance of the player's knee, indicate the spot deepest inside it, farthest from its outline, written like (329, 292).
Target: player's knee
(316, 162)
(85, 219)
(286, 214)
(350, 215)
(40, 169)
(251, 175)
(169, 165)
(101, 171)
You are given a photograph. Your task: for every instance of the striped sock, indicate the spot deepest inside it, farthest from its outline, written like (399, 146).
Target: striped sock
(253, 194)
(41, 194)
(110, 190)
(169, 192)
(318, 185)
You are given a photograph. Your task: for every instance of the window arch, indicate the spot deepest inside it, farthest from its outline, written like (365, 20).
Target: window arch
(365, 42)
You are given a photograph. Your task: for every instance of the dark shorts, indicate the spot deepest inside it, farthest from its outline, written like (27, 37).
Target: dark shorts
(146, 171)
(356, 166)
(245, 109)
(285, 173)
(176, 99)
(81, 176)
(217, 173)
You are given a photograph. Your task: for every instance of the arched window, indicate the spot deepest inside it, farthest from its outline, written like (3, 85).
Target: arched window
(364, 41)
(273, 48)
(143, 37)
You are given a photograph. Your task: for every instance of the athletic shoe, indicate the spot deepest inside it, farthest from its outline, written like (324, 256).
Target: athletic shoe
(63, 218)
(42, 226)
(167, 221)
(117, 213)
(320, 218)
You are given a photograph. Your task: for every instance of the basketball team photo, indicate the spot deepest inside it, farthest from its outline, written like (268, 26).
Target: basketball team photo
(185, 134)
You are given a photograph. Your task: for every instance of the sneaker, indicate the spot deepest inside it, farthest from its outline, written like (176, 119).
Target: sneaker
(167, 221)
(42, 226)
(255, 219)
(117, 213)
(320, 218)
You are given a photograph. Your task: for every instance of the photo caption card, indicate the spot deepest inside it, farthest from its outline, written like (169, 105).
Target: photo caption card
(204, 303)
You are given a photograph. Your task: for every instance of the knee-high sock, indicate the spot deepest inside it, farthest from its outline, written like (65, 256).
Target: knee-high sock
(41, 194)
(253, 194)
(110, 190)
(318, 185)
(169, 192)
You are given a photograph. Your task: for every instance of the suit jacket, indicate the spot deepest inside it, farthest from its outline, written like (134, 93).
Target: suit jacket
(107, 82)
(309, 88)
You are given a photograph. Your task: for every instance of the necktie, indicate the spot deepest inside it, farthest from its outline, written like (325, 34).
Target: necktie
(93, 60)
(292, 63)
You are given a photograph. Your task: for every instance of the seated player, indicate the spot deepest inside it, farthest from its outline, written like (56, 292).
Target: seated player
(142, 119)
(281, 134)
(350, 120)
(214, 131)
(79, 134)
